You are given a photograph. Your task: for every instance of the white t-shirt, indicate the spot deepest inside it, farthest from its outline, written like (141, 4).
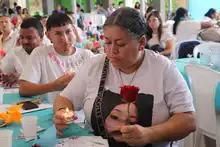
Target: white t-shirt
(15, 60)
(157, 76)
(208, 19)
(205, 19)
(10, 42)
(45, 65)
(46, 41)
(188, 30)
(166, 35)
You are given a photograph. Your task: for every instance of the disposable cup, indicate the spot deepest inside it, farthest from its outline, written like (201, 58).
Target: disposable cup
(6, 138)
(29, 125)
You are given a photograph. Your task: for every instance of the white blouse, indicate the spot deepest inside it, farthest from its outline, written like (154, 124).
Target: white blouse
(166, 35)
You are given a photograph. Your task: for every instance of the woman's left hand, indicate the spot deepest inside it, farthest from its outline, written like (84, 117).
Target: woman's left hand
(135, 135)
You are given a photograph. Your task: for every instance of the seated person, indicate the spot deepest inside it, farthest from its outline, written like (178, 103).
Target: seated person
(77, 31)
(43, 20)
(148, 12)
(157, 36)
(158, 114)
(185, 29)
(50, 68)
(31, 36)
(8, 37)
(211, 15)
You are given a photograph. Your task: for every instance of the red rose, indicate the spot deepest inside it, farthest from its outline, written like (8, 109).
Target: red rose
(129, 93)
(90, 22)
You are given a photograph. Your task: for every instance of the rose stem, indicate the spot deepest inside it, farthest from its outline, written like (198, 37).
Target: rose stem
(129, 117)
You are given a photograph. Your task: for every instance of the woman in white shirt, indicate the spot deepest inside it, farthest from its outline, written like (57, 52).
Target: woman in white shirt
(163, 106)
(211, 15)
(159, 40)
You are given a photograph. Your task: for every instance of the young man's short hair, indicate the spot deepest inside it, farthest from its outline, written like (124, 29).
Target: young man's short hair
(58, 20)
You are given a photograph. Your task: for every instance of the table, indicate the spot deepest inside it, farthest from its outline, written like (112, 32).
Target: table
(181, 63)
(44, 121)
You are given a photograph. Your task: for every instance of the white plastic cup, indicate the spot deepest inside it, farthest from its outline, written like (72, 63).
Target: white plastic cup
(29, 125)
(1, 95)
(6, 138)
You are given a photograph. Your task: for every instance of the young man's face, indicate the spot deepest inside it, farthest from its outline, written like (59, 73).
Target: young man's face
(62, 37)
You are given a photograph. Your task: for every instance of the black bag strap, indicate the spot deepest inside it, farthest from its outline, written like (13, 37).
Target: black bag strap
(98, 101)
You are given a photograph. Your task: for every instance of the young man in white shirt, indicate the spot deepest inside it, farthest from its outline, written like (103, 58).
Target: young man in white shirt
(50, 68)
(8, 38)
(31, 36)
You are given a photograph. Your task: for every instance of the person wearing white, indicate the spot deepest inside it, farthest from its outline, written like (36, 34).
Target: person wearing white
(14, 61)
(211, 15)
(50, 68)
(8, 38)
(158, 112)
(166, 36)
(111, 8)
(31, 36)
(158, 36)
(78, 33)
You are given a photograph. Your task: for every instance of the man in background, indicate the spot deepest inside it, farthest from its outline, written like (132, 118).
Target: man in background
(121, 4)
(31, 36)
(8, 37)
(58, 10)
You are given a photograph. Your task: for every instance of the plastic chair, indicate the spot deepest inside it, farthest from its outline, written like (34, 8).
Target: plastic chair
(203, 82)
(205, 48)
(188, 30)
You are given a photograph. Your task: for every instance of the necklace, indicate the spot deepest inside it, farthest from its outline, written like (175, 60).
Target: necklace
(138, 62)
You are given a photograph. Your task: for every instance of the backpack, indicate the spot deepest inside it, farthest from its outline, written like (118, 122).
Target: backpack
(186, 49)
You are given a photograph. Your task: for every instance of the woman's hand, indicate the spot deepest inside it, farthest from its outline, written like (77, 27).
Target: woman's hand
(135, 135)
(59, 121)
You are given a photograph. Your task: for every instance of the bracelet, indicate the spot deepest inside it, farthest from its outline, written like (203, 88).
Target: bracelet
(61, 109)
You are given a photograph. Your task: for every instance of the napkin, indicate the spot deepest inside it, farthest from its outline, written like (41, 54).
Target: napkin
(83, 141)
(48, 138)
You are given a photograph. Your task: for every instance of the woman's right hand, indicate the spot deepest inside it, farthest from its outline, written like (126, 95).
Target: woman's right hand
(59, 121)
